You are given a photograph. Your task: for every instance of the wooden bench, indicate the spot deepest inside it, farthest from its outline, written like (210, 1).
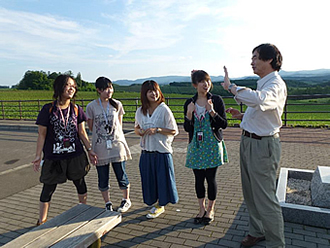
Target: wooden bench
(79, 226)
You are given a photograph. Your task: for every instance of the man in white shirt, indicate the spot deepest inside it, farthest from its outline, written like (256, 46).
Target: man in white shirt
(260, 147)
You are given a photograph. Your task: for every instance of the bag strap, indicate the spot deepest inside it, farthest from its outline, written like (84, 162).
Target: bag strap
(76, 109)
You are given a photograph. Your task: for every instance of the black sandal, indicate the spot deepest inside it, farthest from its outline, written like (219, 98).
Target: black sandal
(207, 220)
(198, 220)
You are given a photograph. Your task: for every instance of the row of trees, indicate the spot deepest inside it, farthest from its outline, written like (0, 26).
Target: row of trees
(40, 80)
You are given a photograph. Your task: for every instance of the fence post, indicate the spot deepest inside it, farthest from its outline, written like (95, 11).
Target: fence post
(285, 113)
(168, 101)
(136, 103)
(3, 110)
(20, 109)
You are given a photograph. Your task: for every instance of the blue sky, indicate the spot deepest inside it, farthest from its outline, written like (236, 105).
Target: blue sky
(131, 39)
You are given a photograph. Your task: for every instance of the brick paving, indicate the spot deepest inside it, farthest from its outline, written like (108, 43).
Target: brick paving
(302, 148)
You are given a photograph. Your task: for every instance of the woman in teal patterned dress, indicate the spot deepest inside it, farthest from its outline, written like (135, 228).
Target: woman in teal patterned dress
(205, 117)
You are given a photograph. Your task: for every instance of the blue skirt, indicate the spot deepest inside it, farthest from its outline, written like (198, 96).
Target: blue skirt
(158, 179)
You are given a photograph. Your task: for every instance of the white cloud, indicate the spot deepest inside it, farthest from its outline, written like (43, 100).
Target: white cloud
(298, 28)
(149, 25)
(141, 37)
(158, 24)
(26, 35)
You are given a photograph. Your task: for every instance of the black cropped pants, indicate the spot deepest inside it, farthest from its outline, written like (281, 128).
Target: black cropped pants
(49, 189)
(209, 175)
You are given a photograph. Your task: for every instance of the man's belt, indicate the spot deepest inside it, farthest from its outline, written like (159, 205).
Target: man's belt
(255, 136)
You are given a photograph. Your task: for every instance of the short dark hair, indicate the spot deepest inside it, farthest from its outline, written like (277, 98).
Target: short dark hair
(60, 84)
(269, 51)
(146, 86)
(198, 76)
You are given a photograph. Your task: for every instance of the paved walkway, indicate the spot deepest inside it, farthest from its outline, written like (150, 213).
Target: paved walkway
(302, 148)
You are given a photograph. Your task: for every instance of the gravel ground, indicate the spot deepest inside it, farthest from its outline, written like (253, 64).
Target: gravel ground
(298, 191)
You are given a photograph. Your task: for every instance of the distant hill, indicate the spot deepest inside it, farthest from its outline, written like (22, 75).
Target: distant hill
(311, 76)
(162, 80)
(308, 76)
(307, 73)
(159, 80)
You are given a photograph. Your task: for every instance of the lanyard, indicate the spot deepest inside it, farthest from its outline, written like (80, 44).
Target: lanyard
(65, 122)
(105, 113)
(200, 119)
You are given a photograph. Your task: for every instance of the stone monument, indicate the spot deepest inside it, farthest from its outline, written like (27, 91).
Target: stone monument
(302, 214)
(320, 187)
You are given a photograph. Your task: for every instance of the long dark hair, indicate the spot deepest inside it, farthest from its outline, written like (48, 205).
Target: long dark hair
(146, 86)
(60, 84)
(103, 83)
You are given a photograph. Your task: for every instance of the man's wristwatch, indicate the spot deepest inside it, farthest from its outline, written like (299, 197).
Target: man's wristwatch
(230, 87)
(158, 129)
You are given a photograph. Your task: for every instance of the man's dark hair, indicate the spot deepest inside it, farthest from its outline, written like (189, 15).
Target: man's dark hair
(269, 51)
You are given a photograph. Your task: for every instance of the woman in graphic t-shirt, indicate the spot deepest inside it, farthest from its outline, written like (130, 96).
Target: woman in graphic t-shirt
(105, 119)
(61, 132)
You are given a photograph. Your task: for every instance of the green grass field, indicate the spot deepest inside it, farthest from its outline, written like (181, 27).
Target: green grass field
(22, 104)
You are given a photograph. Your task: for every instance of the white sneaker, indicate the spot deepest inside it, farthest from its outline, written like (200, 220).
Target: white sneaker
(157, 210)
(108, 206)
(124, 205)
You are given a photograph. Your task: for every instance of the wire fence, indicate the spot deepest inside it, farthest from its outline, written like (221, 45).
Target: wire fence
(300, 110)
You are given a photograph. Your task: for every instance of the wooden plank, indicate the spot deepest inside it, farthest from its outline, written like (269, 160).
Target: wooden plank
(44, 229)
(95, 229)
(59, 233)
